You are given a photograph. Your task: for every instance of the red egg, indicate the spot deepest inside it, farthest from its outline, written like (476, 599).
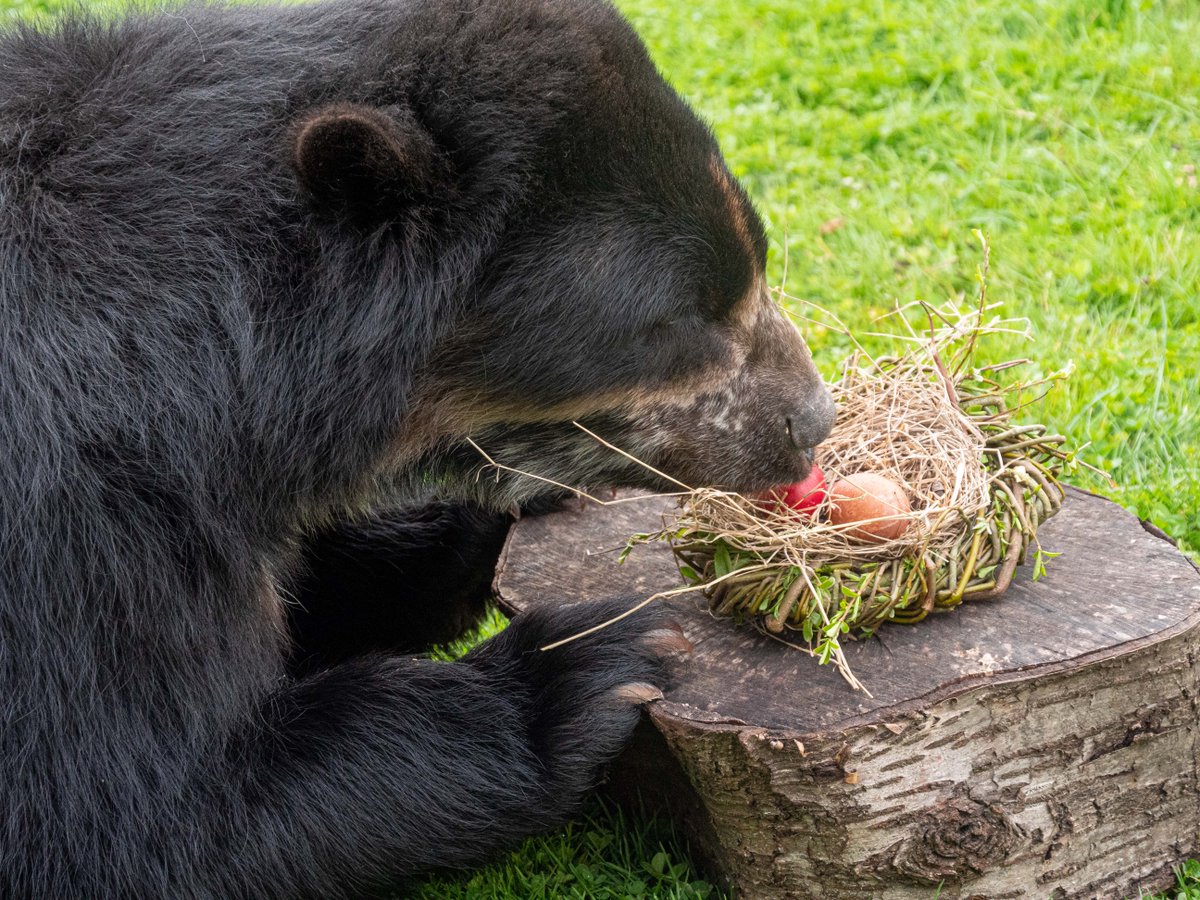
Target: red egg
(802, 496)
(872, 500)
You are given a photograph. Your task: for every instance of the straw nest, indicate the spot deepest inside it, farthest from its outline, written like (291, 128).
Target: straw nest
(979, 485)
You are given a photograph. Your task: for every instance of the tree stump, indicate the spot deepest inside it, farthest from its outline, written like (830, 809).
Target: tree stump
(1043, 744)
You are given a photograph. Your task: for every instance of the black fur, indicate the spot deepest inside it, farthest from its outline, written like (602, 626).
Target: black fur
(265, 272)
(419, 577)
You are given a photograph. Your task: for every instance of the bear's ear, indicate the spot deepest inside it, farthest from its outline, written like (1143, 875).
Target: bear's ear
(364, 163)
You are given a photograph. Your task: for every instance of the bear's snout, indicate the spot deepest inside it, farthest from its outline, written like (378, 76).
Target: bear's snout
(779, 396)
(809, 423)
(755, 427)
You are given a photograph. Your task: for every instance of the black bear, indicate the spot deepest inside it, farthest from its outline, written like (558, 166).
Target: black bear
(268, 277)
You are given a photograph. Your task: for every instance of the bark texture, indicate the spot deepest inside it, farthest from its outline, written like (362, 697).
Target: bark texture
(1040, 745)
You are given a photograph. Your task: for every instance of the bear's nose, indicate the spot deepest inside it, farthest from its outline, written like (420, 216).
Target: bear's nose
(808, 426)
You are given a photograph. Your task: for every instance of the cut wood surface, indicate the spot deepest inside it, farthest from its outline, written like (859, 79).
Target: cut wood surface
(1038, 745)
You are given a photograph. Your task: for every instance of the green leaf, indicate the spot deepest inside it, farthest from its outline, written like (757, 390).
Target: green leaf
(1039, 562)
(599, 839)
(659, 864)
(633, 541)
(722, 564)
(824, 651)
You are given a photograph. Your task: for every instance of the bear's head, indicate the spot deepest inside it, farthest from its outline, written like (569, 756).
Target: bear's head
(620, 285)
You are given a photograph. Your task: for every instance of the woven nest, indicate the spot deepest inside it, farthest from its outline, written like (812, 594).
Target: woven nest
(979, 484)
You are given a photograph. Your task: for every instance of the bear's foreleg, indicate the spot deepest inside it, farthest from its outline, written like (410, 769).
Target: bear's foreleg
(383, 766)
(398, 582)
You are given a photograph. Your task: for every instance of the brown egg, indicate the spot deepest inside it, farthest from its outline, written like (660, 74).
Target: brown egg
(867, 496)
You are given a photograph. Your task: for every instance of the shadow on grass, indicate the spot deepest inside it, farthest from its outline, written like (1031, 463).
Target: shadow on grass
(604, 855)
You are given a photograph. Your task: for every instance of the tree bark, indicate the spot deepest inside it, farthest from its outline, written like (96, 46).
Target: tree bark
(1043, 744)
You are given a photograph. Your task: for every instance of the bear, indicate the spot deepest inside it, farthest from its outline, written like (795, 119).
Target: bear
(271, 279)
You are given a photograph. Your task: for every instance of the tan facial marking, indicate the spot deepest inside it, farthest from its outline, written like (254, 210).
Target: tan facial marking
(733, 203)
(455, 415)
(752, 306)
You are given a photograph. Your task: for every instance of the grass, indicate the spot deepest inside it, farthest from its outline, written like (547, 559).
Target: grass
(1187, 883)
(603, 856)
(874, 137)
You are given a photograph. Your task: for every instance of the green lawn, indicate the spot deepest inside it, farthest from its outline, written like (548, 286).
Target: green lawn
(874, 137)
